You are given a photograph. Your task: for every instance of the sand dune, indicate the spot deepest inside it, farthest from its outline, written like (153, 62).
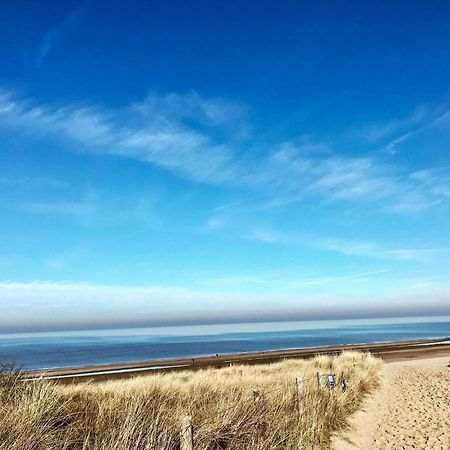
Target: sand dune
(410, 411)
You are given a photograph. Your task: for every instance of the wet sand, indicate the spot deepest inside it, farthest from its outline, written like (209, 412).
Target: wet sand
(390, 351)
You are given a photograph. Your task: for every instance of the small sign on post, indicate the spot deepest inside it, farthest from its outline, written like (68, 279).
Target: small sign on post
(186, 434)
(331, 380)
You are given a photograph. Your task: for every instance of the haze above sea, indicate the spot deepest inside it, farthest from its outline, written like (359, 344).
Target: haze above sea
(64, 349)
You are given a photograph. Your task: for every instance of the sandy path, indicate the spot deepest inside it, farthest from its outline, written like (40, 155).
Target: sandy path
(411, 410)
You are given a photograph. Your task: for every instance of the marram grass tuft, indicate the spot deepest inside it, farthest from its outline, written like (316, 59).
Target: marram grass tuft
(144, 413)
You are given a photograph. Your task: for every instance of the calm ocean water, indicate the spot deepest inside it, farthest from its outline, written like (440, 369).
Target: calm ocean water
(87, 348)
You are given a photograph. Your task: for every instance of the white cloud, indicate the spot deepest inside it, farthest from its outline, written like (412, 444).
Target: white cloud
(92, 207)
(344, 246)
(374, 132)
(215, 223)
(263, 235)
(415, 253)
(372, 249)
(339, 178)
(34, 182)
(159, 131)
(64, 304)
(437, 180)
(287, 279)
(432, 119)
(228, 206)
(345, 178)
(77, 205)
(79, 208)
(392, 133)
(326, 280)
(52, 36)
(391, 147)
(165, 143)
(191, 106)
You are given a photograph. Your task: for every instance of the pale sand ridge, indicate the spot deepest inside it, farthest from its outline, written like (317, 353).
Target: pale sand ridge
(411, 410)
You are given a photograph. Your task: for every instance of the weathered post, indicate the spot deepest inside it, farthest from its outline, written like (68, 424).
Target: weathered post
(318, 381)
(186, 434)
(300, 395)
(345, 384)
(259, 399)
(260, 404)
(163, 440)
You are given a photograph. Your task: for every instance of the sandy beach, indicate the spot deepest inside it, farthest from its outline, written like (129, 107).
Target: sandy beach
(411, 410)
(388, 351)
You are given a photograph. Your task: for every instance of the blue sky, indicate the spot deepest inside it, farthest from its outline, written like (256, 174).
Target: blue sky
(174, 162)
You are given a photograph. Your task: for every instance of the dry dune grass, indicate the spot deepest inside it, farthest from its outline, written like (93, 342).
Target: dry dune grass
(144, 412)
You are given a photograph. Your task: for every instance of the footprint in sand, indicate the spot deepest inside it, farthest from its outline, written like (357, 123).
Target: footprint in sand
(410, 411)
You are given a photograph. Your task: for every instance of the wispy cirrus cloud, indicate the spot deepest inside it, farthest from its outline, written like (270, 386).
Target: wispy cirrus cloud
(416, 253)
(392, 133)
(289, 279)
(351, 276)
(162, 141)
(378, 131)
(33, 182)
(263, 235)
(228, 206)
(55, 34)
(437, 180)
(215, 223)
(421, 117)
(375, 250)
(89, 207)
(211, 112)
(335, 177)
(76, 208)
(400, 131)
(346, 246)
(190, 136)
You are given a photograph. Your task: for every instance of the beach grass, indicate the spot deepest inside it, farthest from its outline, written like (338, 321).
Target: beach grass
(145, 412)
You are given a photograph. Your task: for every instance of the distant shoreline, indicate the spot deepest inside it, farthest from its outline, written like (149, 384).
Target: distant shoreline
(389, 351)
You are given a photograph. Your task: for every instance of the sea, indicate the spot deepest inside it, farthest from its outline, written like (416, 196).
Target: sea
(71, 349)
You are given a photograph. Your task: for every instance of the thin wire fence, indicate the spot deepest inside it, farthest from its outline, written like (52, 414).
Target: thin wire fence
(259, 400)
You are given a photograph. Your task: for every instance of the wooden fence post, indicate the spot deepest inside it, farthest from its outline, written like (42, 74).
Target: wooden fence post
(260, 403)
(300, 395)
(186, 434)
(163, 440)
(259, 399)
(345, 384)
(318, 381)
